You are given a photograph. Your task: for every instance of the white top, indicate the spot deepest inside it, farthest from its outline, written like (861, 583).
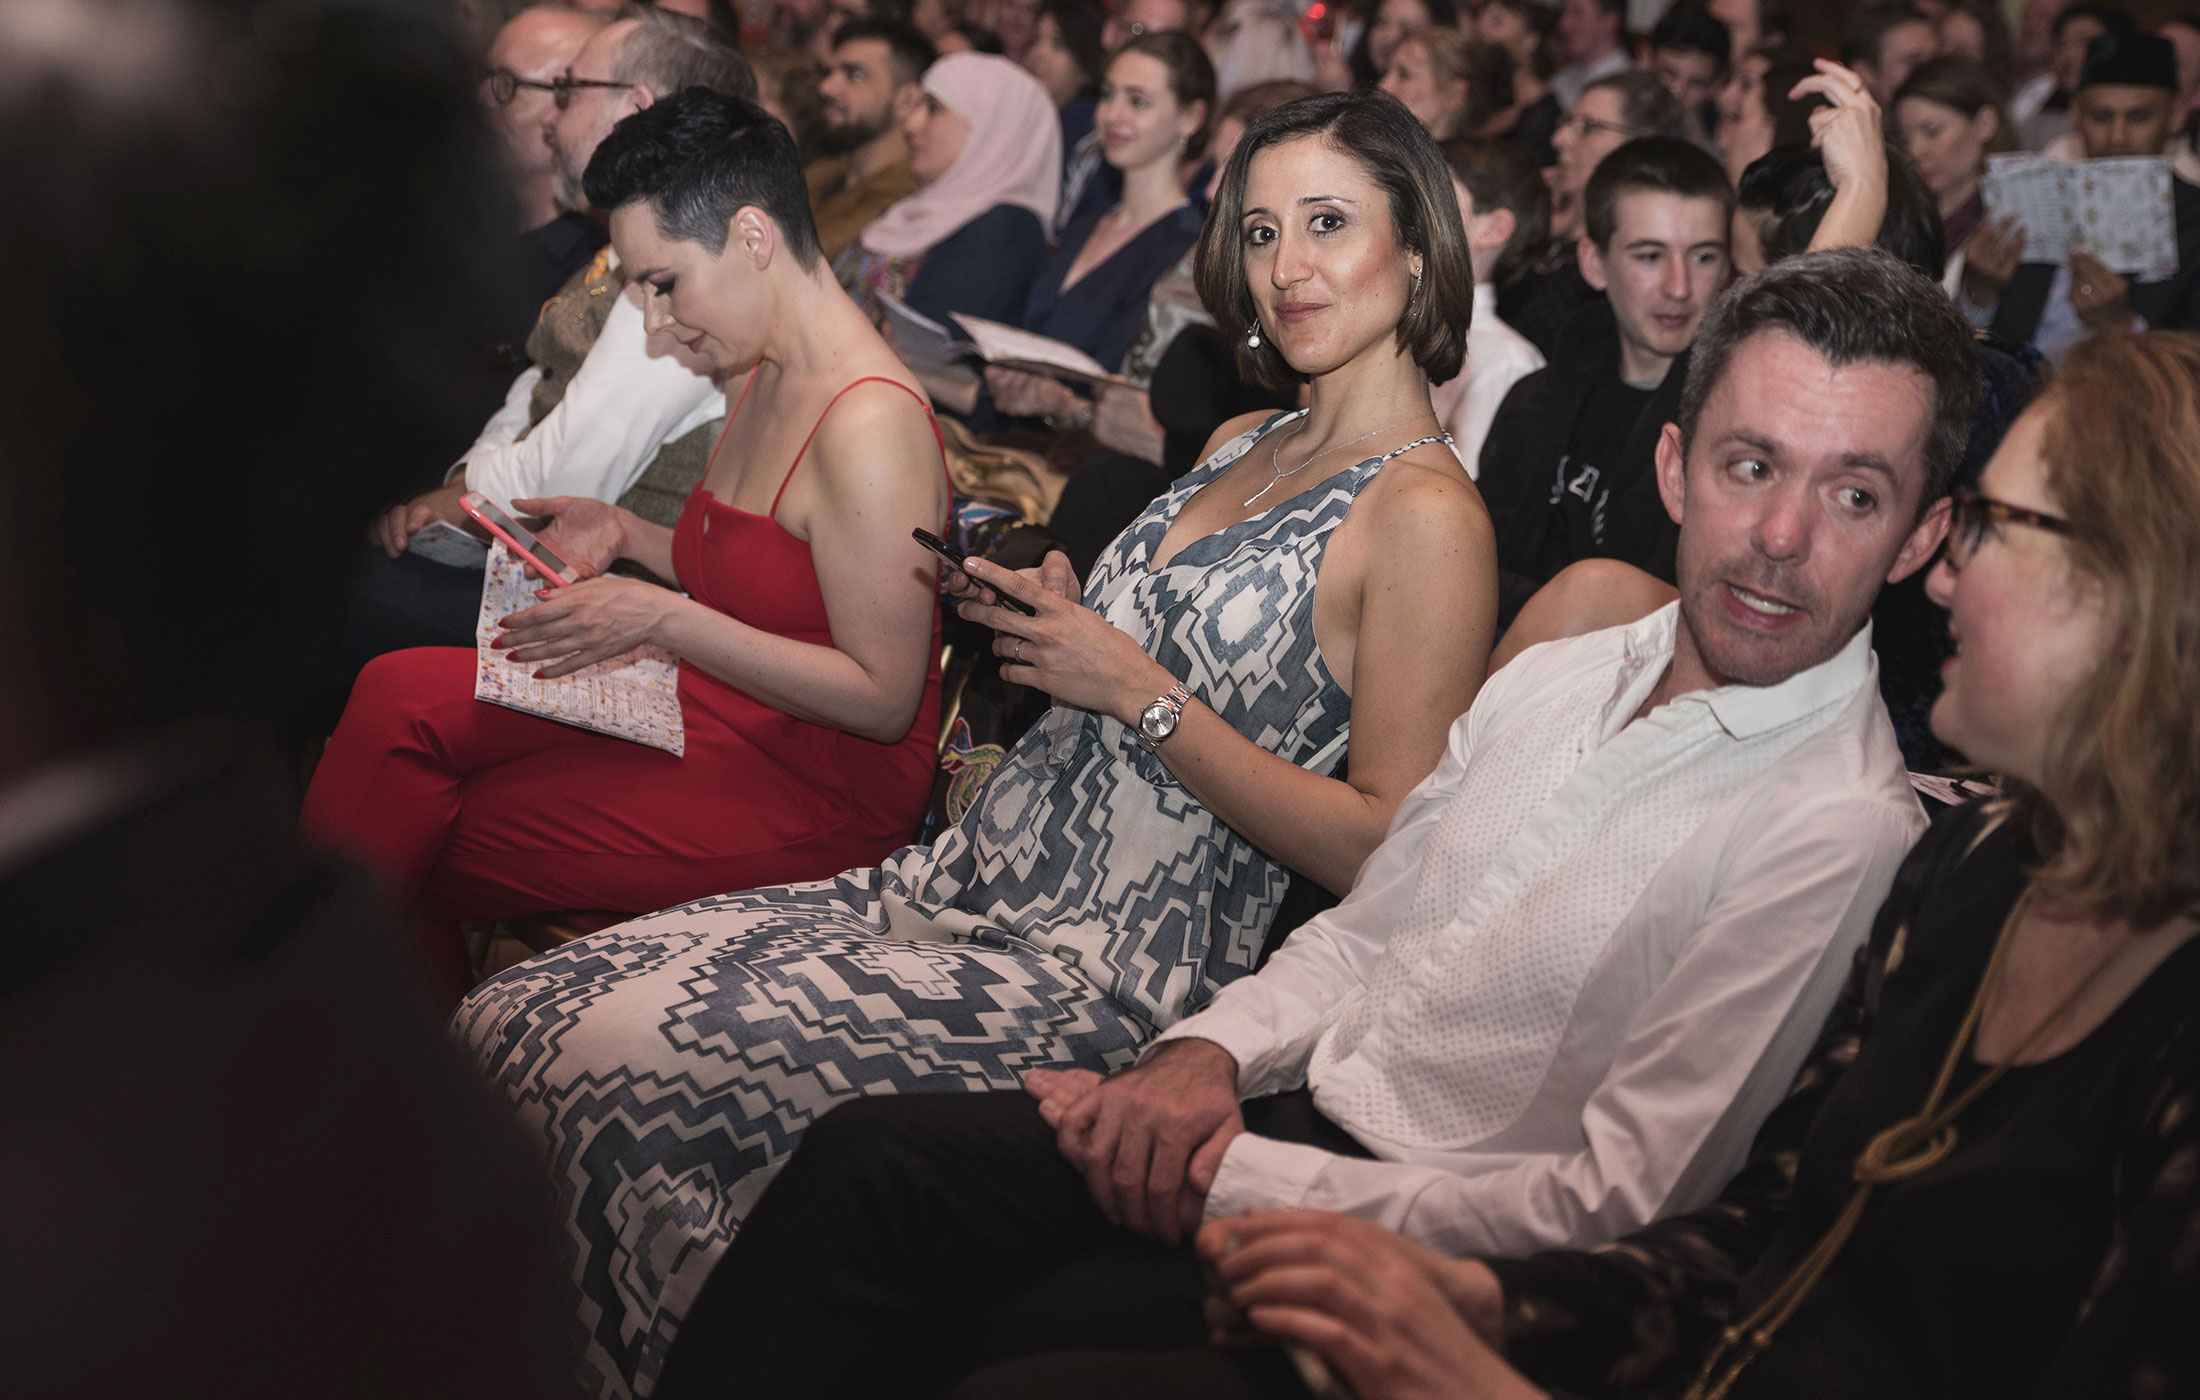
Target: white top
(1498, 357)
(1588, 958)
(1567, 82)
(627, 400)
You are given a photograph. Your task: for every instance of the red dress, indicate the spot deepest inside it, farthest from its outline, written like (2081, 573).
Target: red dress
(470, 810)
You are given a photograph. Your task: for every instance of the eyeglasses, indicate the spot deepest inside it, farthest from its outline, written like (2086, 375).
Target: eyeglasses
(504, 85)
(1970, 513)
(1590, 126)
(562, 89)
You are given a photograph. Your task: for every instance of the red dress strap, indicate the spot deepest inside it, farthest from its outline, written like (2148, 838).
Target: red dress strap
(712, 459)
(867, 379)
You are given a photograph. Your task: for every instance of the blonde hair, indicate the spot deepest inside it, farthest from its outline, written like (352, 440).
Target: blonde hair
(2117, 815)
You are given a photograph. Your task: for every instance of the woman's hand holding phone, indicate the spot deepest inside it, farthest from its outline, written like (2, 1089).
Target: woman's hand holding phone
(588, 534)
(1065, 649)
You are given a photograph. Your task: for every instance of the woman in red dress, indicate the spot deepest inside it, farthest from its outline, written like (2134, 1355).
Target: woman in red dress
(808, 643)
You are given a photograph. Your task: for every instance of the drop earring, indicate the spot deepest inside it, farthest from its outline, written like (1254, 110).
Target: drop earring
(1252, 337)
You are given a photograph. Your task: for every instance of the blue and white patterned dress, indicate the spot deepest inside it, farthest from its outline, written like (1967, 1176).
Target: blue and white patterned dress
(1086, 902)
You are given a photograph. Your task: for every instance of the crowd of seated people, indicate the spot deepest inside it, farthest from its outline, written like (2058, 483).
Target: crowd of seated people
(1584, 779)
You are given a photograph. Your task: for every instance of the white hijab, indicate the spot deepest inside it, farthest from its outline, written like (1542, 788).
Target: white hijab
(1013, 156)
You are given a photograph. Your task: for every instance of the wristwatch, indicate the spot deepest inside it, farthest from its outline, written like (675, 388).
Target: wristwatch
(1158, 721)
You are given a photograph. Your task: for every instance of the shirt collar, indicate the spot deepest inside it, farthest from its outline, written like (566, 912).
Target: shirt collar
(1743, 711)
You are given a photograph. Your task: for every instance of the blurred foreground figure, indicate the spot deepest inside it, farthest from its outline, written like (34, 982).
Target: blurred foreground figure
(240, 1159)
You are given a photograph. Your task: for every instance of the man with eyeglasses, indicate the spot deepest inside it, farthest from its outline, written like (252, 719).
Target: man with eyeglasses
(1611, 112)
(603, 411)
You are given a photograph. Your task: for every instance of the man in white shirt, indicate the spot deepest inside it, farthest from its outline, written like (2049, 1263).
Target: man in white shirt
(625, 401)
(1587, 959)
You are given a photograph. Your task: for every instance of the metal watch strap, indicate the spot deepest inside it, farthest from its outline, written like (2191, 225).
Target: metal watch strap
(1176, 697)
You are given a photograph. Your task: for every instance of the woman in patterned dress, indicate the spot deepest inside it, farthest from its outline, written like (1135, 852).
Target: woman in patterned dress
(1104, 886)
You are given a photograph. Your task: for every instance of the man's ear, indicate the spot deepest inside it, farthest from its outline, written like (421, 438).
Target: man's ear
(1672, 466)
(757, 236)
(1498, 227)
(905, 97)
(1924, 542)
(1591, 259)
(639, 96)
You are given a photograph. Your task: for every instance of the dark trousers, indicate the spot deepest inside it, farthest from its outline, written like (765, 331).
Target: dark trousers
(911, 1241)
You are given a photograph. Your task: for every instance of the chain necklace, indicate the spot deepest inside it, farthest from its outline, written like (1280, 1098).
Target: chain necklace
(1275, 463)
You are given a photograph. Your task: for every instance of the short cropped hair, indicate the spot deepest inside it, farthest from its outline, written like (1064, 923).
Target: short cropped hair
(700, 156)
(1689, 28)
(1650, 164)
(1398, 154)
(1503, 174)
(906, 47)
(1790, 187)
(1853, 306)
(669, 51)
(1647, 107)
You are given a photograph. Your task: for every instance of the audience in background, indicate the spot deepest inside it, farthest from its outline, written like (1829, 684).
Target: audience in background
(868, 89)
(1949, 118)
(2040, 111)
(1612, 112)
(1392, 21)
(1133, 18)
(1688, 52)
(1067, 58)
(2124, 105)
(1592, 35)
(1506, 209)
(1756, 25)
(807, 636)
(606, 411)
(985, 146)
(1154, 107)
(1522, 29)
(1977, 30)
(1445, 79)
(1258, 41)
(1639, 874)
(1758, 110)
(1105, 885)
(1568, 468)
(532, 49)
(787, 87)
(1883, 43)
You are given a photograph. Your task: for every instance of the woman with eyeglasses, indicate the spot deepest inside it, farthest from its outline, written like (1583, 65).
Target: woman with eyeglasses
(1985, 1181)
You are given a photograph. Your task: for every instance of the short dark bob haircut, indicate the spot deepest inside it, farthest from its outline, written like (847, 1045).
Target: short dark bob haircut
(699, 157)
(1398, 154)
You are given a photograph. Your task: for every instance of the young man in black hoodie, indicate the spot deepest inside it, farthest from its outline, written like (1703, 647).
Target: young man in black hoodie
(1566, 470)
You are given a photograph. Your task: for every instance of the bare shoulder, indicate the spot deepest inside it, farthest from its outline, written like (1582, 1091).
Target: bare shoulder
(1425, 498)
(1243, 423)
(876, 430)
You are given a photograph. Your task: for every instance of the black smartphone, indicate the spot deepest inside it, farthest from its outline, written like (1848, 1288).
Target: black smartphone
(953, 556)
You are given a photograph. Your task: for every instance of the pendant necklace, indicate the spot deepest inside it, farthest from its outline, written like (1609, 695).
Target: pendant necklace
(1275, 463)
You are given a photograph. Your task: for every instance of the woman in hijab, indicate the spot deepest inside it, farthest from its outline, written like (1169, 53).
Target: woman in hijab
(987, 147)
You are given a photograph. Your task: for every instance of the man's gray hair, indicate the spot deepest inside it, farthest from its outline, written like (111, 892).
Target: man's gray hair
(670, 52)
(1853, 306)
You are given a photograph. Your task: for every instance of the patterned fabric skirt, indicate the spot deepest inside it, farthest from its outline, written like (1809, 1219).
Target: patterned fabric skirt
(672, 1064)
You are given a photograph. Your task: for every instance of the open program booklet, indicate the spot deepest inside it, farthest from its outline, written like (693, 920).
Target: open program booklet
(928, 346)
(2119, 209)
(634, 697)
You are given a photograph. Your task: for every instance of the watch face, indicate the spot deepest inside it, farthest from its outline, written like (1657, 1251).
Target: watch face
(1157, 722)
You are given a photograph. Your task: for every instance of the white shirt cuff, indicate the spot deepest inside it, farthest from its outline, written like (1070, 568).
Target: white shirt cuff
(1247, 1041)
(1260, 1173)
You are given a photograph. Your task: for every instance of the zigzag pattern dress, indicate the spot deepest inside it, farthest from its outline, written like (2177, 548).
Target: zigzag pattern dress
(1084, 903)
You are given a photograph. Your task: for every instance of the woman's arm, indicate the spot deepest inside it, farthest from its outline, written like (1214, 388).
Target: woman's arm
(875, 474)
(1425, 609)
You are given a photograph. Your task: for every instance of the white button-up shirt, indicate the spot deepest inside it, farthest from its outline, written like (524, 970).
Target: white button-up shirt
(624, 402)
(1587, 959)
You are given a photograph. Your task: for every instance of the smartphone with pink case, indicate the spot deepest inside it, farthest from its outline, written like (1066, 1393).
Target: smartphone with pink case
(519, 539)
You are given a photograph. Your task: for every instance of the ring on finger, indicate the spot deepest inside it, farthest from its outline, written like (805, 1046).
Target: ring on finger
(1016, 651)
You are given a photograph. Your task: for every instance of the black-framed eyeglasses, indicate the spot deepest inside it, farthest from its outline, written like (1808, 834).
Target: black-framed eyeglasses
(1969, 514)
(563, 88)
(504, 85)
